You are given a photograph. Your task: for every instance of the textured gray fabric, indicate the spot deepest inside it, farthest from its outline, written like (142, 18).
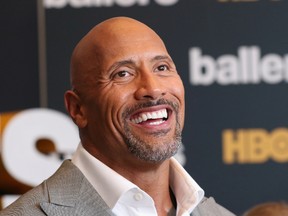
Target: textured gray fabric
(209, 207)
(68, 193)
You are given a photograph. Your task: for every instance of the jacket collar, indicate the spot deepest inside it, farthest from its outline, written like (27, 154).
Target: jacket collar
(75, 196)
(208, 207)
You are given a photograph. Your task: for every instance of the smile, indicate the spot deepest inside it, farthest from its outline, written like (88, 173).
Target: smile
(158, 116)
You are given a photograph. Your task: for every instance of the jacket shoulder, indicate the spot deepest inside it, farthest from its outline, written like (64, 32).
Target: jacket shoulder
(209, 207)
(29, 203)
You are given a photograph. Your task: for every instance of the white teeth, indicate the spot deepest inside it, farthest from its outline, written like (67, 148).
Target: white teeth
(156, 123)
(160, 114)
(144, 117)
(164, 113)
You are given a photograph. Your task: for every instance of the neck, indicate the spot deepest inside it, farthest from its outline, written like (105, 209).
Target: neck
(154, 182)
(153, 178)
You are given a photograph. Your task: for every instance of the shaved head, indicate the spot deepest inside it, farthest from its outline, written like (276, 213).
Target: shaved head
(103, 41)
(120, 72)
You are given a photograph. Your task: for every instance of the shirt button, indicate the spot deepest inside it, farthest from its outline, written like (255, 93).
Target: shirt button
(138, 196)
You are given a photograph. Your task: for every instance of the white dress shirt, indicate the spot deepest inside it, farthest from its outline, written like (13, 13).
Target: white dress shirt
(126, 198)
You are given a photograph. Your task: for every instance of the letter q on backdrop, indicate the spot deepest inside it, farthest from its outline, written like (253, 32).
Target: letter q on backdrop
(21, 155)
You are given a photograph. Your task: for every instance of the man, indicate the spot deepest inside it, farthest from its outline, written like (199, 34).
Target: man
(127, 100)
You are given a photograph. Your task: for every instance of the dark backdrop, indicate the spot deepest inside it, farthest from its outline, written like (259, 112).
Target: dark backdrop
(247, 93)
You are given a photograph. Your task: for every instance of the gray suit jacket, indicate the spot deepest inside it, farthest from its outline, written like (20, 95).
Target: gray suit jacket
(68, 193)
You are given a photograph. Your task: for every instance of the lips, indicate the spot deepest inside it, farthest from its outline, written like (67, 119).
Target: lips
(153, 117)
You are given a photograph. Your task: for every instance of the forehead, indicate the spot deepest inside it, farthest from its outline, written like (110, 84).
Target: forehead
(123, 43)
(133, 49)
(123, 29)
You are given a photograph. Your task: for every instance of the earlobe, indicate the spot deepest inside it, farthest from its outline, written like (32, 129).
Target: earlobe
(75, 108)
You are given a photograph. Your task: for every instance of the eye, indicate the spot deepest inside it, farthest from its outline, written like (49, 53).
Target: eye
(162, 68)
(165, 69)
(122, 74)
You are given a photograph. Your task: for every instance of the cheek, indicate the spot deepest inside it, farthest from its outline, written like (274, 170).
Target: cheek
(115, 98)
(177, 90)
(114, 103)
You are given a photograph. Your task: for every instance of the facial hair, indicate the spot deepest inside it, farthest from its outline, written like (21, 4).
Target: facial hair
(153, 152)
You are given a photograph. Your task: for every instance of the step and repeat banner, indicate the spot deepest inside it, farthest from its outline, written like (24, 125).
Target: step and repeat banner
(231, 54)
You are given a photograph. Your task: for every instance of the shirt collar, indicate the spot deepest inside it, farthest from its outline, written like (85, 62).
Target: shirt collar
(187, 192)
(110, 185)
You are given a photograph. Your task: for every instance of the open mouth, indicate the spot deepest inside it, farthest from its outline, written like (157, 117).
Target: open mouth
(153, 117)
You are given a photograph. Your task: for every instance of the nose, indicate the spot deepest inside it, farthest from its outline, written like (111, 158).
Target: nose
(150, 87)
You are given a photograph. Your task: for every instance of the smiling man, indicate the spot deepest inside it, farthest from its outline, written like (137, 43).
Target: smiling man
(127, 100)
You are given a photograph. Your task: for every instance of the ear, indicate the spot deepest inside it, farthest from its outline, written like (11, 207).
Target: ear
(75, 108)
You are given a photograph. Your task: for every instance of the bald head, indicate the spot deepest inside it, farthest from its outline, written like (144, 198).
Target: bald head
(104, 41)
(121, 70)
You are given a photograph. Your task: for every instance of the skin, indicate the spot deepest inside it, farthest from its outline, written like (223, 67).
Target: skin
(120, 70)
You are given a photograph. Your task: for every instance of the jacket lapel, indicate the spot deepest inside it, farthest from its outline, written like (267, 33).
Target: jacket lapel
(70, 193)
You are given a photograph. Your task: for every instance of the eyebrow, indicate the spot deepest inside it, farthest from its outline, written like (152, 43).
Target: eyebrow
(131, 62)
(120, 63)
(161, 57)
